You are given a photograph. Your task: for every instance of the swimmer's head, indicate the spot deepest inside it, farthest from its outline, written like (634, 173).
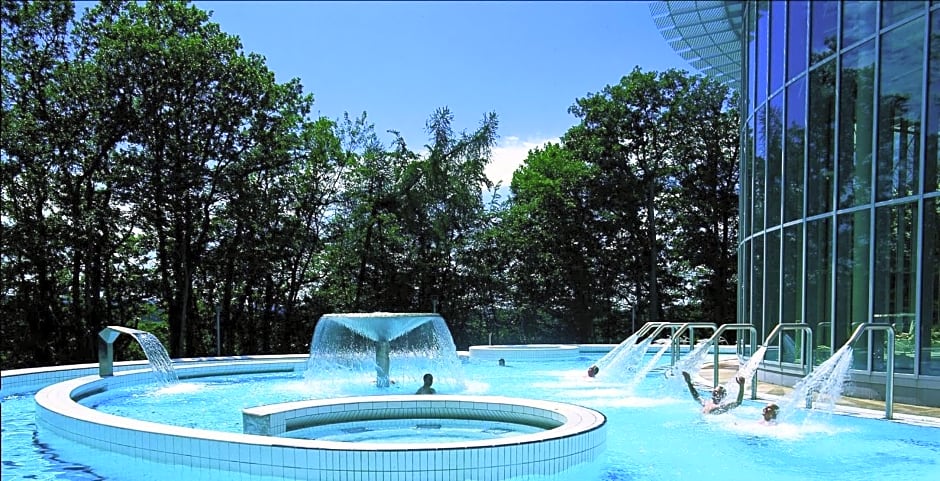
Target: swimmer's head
(718, 394)
(770, 412)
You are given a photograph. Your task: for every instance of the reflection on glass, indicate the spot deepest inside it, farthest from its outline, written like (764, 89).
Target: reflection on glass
(793, 158)
(744, 283)
(772, 273)
(757, 285)
(932, 159)
(858, 21)
(777, 46)
(763, 35)
(894, 10)
(823, 27)
(818, 274)
(895, 276)
(751, 56)
(792, 289)
(797, 16)
(856, 111)
(758, 171)
(852, 254)
(901, 78)
(774, 158)
(821, 139)
(747, 141)
(930, 292)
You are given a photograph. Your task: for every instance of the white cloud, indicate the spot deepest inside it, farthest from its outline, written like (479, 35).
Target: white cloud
(508, 155)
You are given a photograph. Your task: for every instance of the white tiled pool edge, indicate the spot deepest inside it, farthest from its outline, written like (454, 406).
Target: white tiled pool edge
(527, 352)
(576, 434)
(580, 437)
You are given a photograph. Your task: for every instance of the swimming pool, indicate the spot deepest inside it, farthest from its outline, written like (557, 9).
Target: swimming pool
(654, 431)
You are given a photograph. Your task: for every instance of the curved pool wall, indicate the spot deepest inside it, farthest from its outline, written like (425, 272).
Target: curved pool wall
(578, 437)
(556, 352)
(527, 352)
(572, 435)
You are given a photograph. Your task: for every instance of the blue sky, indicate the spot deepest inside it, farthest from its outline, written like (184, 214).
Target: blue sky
(399, 61)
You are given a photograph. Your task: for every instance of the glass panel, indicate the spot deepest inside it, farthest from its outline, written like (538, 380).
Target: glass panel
(819, 286)
(821, 139)
(932, 163)
(757, 285)
(792, 291)
(758, 172)
(858, 21)
(744, 267)
(901, 70)
(774, 158)
(747, 161)
(778, 26)
(930, 292)
(797, 13)
(853, 245)
(895, 275)
(772, 281)
(856, 112)
(895, 10)
(795, 141)
(763, 34)
(823, 25)
(751, 57)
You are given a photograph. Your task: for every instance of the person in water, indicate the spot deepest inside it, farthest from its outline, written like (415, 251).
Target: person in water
(770, 414)
(427, 389)
(715, 405)
(502, 362)
(593, 370)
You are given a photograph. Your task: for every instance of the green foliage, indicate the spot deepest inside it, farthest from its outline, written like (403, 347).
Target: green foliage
(634, 213)
(157, 176)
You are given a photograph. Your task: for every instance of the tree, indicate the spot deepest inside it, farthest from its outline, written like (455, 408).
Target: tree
(194, 96)
(551, 241)
(35, 46)
(405, 219)
(664, 146)
(707, 197)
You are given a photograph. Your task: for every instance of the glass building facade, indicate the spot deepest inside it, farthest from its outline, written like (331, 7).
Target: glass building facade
(839, 201)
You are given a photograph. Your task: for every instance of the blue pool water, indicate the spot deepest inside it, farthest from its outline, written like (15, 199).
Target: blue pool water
(412, 431)
(655, 430)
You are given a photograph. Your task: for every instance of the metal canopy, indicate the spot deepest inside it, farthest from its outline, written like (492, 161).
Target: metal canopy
(706, 33)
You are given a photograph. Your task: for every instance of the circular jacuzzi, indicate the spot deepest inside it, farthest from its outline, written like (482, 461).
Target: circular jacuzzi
(557, 436)
(527, 352)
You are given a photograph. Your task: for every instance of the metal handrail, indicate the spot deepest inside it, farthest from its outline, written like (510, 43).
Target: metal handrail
(690, 326)
(663, 325)
(796, 326)
(822, 327)
(715, 346)
(889, 367)
(648, 327)
(808, 353)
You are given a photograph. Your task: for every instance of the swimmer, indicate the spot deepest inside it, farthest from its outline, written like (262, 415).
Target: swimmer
(714, 405)
(427, 389)
(769, 414)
